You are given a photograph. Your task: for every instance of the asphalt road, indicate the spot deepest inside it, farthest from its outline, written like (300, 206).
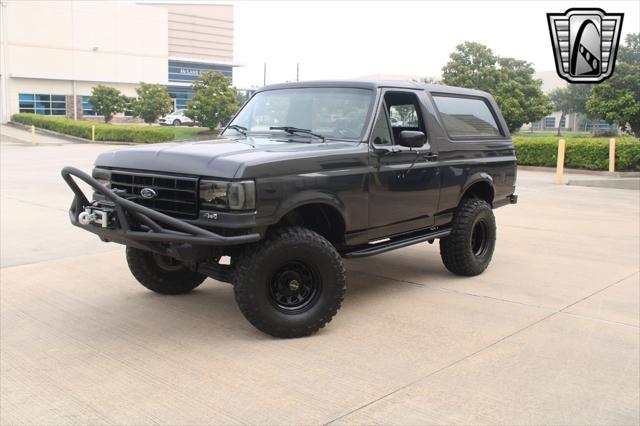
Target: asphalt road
(548, 334)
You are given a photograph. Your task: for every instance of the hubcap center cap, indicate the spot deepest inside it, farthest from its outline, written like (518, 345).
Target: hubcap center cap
(294, 285)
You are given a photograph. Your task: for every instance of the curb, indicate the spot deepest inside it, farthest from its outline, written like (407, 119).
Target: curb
(624, 183)
(70, 138)
(581, 171)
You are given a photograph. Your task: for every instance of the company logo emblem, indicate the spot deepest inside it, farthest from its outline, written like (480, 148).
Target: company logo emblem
(148, 193)
(585, 43)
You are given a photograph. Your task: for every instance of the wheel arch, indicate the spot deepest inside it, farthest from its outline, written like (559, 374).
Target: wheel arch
(479, 185)
(324, 215)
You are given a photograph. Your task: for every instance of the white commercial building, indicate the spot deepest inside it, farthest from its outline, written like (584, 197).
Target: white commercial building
(570, 122)
(53, 52)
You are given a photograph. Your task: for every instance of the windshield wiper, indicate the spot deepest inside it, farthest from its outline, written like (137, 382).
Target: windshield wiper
(238, 128)
(292, 130)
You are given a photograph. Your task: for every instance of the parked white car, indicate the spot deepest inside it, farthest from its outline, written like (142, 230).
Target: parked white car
(176, 118)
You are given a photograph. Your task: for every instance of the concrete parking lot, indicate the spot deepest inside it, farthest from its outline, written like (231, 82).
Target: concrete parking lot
(548, 334)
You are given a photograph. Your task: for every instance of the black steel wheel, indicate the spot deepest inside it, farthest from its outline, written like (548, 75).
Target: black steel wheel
(294, 287)
(480, 237)
(291, 284)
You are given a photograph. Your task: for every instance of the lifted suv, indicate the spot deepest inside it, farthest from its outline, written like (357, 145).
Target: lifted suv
(307, 174)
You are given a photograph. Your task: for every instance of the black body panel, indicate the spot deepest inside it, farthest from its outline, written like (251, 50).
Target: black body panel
(377, 193)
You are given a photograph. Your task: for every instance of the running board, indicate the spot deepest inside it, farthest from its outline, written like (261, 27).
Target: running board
(398, 243)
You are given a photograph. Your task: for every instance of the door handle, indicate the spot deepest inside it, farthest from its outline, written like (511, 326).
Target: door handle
(430, 156)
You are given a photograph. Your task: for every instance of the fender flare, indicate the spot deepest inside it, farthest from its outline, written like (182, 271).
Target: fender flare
(476, 178)
(303, 198)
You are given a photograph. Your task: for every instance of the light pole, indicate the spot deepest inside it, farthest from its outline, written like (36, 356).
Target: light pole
(264, 75)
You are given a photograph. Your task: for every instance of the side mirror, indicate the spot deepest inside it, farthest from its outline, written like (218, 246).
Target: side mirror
(412, 138)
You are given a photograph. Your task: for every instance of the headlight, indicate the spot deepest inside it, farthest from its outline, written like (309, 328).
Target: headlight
(228, 195)
(103, 176)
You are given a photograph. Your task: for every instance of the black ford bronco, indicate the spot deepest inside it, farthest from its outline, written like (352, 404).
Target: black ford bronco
(304, 175)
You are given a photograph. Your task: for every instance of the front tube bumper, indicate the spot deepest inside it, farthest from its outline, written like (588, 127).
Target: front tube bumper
(137, 224)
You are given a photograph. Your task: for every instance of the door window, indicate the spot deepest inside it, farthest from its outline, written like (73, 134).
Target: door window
(404, 113)
(404, 116)
(381, 134)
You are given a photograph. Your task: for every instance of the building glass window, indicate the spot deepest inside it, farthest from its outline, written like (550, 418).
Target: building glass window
(42, 104)
(128, 112)
(549, 122)
(87, 108)
(180, 95)
(600, 125)
(563, 123)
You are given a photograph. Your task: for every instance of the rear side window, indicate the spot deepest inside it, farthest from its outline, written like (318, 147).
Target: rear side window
(466, 116)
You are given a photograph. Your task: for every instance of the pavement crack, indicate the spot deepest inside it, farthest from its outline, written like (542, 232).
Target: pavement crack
(600, 319)
(599, 291)
(460, 360)
(35, 204)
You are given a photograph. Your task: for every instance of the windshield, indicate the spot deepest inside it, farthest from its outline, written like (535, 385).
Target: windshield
(339, 113)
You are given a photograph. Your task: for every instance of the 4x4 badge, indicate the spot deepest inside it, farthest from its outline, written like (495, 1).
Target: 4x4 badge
(585, 43)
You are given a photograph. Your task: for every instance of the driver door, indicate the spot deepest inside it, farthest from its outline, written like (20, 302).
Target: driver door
(404, 183)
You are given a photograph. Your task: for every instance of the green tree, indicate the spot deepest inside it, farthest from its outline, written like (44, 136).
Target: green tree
(153, 102)
(509, 80)
(107, 101)
(617, 100)
(213, 99)
(570, 99)
(560, 100)
(629, 53)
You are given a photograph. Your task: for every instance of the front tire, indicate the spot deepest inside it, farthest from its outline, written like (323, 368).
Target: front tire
(468, 249)
(162, 274)
(177, 122)
(291, 284)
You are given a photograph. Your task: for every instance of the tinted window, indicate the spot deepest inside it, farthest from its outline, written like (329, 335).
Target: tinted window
(466, 116)
(87, 108)
(549, 122)
(42, 103)
(381, 134)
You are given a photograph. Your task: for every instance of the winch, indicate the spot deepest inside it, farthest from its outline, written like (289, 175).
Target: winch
(92, 215)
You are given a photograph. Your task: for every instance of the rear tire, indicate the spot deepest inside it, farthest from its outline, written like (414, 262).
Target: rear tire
(291, 284)
(162, 274)
(468, 249)
(177, 122)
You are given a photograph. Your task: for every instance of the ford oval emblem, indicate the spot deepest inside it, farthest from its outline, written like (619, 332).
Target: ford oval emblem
(148, 193)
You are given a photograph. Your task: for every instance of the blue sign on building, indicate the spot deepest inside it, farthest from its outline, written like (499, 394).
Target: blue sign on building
(187, 72)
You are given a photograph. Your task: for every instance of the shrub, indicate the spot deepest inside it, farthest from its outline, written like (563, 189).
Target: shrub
(581, 153)
(214, 100)
(107, 101)
(104, 132)
(153, 102)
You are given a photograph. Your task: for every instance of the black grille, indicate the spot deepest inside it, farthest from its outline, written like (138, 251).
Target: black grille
(177, 196)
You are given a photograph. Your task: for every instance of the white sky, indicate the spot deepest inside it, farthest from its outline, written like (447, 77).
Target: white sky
(357, 38)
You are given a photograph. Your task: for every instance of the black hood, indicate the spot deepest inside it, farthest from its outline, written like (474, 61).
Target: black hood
(226, 158)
